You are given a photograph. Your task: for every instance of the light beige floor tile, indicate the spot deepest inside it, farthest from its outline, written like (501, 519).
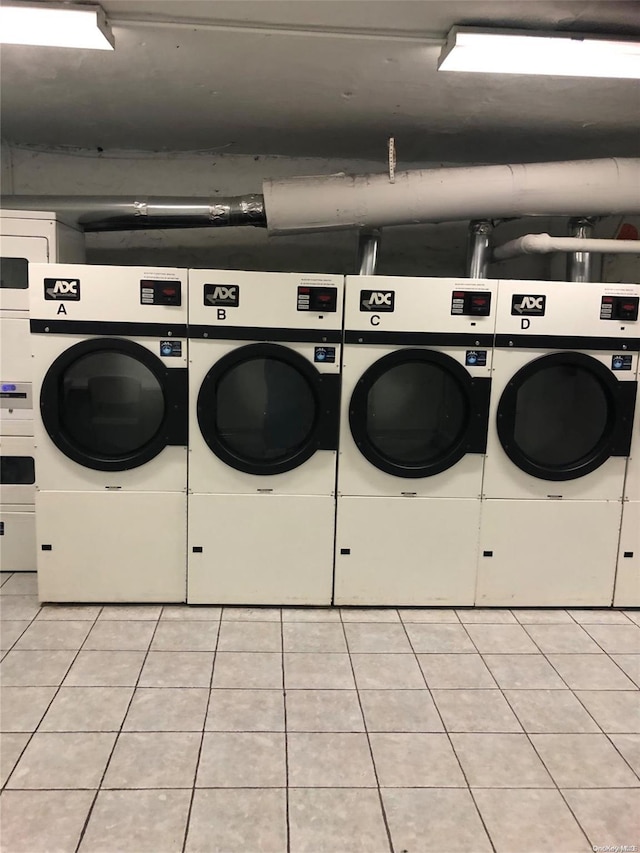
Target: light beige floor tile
(530, 821)
(105, 669)
(501, 639)
(315, 637)
(137, 822)
(439, 638)
(126, 635)
(87, 709)
(251, 614)
(71, 612)
(455, 671)
(18, 607)
(613, 710)
(430, 614)
(415, 761)
(58, 636)
(369, 614)
(10, 632)
(534, 672)
(584, 761)
(324, 711)
(39, 821)
(590, 672)
(185, 636)
(500, 761)
(153, 760)
(550, 712)
(250, 637)
(11, 746)
(167, 709)
(376, 637)
(246, 711)
(562, 639)
(603, 616)
(552, 616)
(21, 583)
(4, 577)
(634, 615)
(605, 815)
(336, 820)
(136, 612)
(631, 666)
(488, 615)
(238, 820)
(629, 747)
(387, 672)
(616, 639)
(400, 711)
(310, 614)
(329, 760)
(65, 760)
(318, 672)
(475, 711)
(22, 708)
(242, 760)
(434, 820)
(177, 669)
(190, 613)
(258, 670)
(34, 669)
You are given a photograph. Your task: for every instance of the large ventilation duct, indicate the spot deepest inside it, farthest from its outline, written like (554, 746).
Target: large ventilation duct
(101, 213)
(571, 188)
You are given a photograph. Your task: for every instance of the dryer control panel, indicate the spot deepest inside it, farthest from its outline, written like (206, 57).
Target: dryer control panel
(471, 303)
(317, 299)
(619, 308)
(160, 292)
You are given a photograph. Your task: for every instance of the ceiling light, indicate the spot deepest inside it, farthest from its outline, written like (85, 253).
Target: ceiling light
(55, 25)
(528, 52)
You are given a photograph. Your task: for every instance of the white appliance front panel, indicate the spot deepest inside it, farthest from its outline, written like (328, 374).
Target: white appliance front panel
(358, 476)
(106, 294)
(406, 551)
(210, 475)
(31, 249)
(56, 472)
(17, 493)
(548, 553)
(403, 304)
(570, 309)
(260, 549)
(111, 547)
(18, 538)
(261, 299)
(503, 479)
(627, 588)
(632, 480)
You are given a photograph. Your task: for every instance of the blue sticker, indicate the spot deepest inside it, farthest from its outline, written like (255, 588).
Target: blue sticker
(170, 348)
(621, 362)
(324, 355)
(476, 358)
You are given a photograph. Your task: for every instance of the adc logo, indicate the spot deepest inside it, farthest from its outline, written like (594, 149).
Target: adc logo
(377, 300)
(222, 294)
(62, 289)
(528, 306)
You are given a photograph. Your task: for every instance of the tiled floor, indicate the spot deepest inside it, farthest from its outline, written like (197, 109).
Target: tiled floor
(316, 731)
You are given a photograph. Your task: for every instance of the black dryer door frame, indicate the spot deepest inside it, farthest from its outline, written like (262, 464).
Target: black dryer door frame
(173, 384)
(324, 387)
(615, 439)
(472, 438)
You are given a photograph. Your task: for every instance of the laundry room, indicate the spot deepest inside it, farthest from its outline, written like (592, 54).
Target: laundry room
(319, 426)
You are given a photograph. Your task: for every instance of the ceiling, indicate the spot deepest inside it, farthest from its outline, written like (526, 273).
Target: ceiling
(328, 78)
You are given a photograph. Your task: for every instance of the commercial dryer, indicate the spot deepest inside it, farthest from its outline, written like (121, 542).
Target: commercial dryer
(563, 398)
(264, 384)
(416, 388)
(627, 586)
(110, 381)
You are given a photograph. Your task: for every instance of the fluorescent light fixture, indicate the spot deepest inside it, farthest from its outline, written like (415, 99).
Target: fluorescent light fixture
(55, 25)
(528, 52)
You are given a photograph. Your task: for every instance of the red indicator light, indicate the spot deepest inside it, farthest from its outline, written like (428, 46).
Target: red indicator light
(478, 300)
(304, 290)
(629, 306)
(458, 294)
(323, 297)
(607, 298)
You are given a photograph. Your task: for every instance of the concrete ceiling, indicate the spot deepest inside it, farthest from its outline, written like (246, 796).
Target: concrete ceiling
(331, 78)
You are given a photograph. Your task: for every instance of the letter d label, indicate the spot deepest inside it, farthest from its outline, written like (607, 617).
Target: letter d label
(525, 323)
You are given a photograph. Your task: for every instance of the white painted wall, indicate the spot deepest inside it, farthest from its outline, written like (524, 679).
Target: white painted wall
(429, 250)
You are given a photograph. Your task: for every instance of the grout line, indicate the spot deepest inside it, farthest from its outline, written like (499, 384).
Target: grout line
(286, 738)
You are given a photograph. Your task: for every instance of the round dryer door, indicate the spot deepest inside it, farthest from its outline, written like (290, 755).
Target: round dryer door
(563, 415)
(106, 404)
(265, 409)
(416, 412)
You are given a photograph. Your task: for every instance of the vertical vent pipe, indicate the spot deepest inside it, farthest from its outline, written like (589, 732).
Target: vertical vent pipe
(479, 248)
(368, 247)
(579, 264)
